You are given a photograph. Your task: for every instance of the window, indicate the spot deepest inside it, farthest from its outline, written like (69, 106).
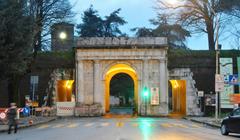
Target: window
(236, 112)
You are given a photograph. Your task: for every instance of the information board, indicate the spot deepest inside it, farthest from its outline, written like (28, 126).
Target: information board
(154, 96)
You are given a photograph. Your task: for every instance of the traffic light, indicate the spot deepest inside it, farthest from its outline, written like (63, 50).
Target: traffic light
(145, 92)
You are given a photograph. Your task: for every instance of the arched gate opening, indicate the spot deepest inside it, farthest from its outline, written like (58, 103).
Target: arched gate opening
(122, 94)
(118, 77)
(177, 97)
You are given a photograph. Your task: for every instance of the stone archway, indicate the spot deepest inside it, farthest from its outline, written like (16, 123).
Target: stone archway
(177, 97)
(143, 59)
(116, 69)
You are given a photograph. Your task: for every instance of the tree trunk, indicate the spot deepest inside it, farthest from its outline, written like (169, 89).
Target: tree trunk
(13, 90)
(39, 27)
(210, 32)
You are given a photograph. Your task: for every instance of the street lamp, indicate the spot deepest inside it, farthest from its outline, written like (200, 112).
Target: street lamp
(62, 35)
(172, 2)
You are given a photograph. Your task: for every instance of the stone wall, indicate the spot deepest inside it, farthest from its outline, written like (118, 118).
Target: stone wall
(192, 100)
(43, 66)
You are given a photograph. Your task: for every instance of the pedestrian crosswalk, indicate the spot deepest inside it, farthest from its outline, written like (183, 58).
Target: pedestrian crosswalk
(88, 124)
(73, 125)
(58, 126)
(119, 124)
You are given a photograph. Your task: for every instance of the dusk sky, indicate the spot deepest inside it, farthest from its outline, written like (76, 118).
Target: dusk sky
(137, 13)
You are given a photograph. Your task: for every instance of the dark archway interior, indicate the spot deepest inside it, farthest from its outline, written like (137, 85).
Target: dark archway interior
(121, 94)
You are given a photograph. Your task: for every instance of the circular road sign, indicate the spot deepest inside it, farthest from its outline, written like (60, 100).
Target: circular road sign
(2, 115)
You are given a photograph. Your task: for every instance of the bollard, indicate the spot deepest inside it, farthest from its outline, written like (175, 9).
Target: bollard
(18, 114)
(30, 122)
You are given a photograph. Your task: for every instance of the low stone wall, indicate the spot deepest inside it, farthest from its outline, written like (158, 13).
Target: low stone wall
(83, 110)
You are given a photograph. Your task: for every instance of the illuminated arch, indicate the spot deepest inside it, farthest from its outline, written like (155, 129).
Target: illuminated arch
(178, 88)
(116, 69)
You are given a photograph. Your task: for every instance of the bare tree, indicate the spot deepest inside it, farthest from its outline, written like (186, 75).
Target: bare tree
(195, 15)
(45, 13)
(232, 9)
(175, 33)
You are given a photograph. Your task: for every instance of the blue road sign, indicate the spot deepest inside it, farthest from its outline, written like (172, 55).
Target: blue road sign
(233, 79)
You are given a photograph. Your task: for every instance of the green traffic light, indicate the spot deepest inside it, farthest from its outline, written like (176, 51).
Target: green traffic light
(145, 92)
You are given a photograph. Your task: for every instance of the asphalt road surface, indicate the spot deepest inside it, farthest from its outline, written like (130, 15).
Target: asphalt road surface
(119, 129)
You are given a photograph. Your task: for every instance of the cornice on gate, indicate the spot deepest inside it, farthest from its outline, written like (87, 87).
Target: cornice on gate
(120, 54)
(121, 42)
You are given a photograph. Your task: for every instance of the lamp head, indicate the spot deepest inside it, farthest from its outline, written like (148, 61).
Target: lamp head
(62, 35)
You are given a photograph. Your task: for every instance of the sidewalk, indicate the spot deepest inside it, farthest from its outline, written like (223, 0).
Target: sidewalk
(24, 122)
(206, 121)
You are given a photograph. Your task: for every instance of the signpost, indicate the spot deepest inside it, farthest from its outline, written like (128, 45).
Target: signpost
(219, 83)
(154, 96)
(34, 81)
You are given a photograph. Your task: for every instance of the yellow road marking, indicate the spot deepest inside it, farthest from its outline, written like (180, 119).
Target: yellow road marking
(166, 125)
(195, 126)
(119, 124)
(43, 126)
(58, 126)
(72, 125)
(180, 125)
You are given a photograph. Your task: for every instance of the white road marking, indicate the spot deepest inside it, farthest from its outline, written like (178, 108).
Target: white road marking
(43, 126)
(58, 126)
(89, 124)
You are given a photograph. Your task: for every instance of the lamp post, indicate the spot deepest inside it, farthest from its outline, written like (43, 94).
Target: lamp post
(217, 49)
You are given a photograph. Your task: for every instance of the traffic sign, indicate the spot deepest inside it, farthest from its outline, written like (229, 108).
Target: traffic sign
(219, 83)
(200, 93)
(219, 87)
(3, 115)
(233, 79)
(34, 79)
(219, 78)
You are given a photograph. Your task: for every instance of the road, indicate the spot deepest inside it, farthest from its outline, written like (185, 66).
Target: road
(119, 129)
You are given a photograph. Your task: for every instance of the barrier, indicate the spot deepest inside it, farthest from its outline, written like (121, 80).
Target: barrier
(88, 110)
(65, 108)
(3, 115)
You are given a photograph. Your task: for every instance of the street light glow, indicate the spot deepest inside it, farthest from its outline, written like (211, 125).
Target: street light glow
(172, 2)
(62, 35)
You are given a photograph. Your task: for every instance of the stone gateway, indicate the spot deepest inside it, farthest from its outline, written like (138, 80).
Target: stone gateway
(143, 59)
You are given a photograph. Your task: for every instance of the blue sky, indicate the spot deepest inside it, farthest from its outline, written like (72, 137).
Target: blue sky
(137, 13)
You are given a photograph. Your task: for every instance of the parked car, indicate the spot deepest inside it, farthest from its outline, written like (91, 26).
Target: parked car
(231, 124)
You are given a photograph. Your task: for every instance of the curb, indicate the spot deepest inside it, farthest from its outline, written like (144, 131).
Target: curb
(27, 125)
(201, 122)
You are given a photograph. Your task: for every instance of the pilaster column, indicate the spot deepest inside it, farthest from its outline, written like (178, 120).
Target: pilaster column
(163, 80)
(145, 73)
(96, 85)
(80, 82)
